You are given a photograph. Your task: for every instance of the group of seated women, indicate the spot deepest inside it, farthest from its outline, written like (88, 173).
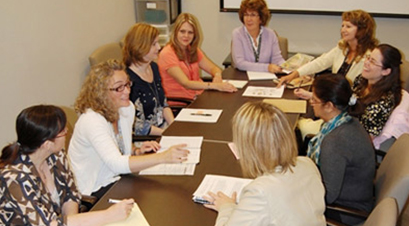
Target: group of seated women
(117, 100)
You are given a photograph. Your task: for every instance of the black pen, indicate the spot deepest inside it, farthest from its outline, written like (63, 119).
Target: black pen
(201, 114)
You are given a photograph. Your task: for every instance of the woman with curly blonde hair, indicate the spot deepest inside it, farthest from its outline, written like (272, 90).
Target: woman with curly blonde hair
(181, 59)
(101, 146)
(255, 46)
(347, 58)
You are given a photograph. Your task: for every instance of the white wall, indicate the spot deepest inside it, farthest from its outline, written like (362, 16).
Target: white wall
(44, 49)
(306, 33)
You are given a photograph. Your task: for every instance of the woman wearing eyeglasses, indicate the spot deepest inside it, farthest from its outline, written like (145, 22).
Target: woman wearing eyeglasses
(347, 58)
(255, 46)
(152, 110)
(101, 146)
(342, 149)
(181, 59)
(36, 184)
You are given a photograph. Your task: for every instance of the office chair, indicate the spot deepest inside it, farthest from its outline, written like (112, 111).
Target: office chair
(384, 214)
(105, 52)
(392, 178)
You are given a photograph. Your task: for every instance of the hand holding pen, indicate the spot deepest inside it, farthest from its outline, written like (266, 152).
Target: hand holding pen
(121, 209)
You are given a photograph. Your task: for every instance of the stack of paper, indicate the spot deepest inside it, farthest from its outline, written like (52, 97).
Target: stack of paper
(256, 75)
(193, 144)
(239, 84)
(216, 183)
(269, 92)
(289, 106)
(198, 115)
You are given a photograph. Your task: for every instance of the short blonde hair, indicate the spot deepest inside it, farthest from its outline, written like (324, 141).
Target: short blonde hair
(138, 43)
(264, 139)
(190, 56)
(94, 91)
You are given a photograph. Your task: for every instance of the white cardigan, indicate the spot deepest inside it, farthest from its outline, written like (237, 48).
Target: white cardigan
(93, 151)
(334, 59)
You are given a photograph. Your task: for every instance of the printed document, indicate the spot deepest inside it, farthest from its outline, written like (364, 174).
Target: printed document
(198, 115)
(216, 183)
(269, 92)
(239, 84)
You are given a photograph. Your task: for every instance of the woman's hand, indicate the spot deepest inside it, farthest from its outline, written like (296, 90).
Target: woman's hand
(175, 154)
(217, 79)
(121, 210)
(219, 199)
(224, 87)
(288, 78)
(148, 146)
(303, 94)
(272, 68)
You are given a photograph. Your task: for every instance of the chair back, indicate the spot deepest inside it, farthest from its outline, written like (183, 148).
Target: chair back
(384, 214)
(106, 52)
(72, 118)
(283, 44)
(392, 176)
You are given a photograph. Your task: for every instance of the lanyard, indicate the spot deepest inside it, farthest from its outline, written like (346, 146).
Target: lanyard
(256, 52)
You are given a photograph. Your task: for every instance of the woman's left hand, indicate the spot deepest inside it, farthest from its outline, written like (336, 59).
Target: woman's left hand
(148, 146)
(217, 200)
(217, 79)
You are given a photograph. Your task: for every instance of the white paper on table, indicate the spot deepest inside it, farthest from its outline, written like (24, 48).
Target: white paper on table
(257, 75)
(269, 92)
(239, 84)
(170, 169)
(233, 149)
(194, 144)
(135, 218)
(225, 184)
(198, 115)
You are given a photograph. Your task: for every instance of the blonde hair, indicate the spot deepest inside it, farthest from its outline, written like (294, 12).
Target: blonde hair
(191, 54)
(138, 43)
(94, 91)
(365, 33)
(264, 139)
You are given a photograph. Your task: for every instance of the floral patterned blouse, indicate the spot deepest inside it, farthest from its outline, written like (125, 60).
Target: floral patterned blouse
(376, 113)
(24, 199)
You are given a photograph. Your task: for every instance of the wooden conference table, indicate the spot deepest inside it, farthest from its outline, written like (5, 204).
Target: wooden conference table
(167, 200)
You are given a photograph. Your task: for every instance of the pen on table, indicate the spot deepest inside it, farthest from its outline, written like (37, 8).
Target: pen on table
(114, 201)
(299, 86)
(201, 114)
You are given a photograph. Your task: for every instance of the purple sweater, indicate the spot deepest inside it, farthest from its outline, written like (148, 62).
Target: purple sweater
(243, 55)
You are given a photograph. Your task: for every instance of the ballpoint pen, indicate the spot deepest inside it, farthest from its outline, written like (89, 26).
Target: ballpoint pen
(299, 86)
(114, 200)
(201, 114)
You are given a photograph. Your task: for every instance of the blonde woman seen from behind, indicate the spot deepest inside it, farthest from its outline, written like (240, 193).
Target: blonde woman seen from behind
(287, 190)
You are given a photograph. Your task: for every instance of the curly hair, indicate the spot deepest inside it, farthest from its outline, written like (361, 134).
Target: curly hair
(391, 83)
(365, 33)
(264, 139)
(94, 91)
(260, 6)
(138, 43)
(191, 54)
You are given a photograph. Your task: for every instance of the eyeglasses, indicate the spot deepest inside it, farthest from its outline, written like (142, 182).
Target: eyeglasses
(250, 14)
(313, 101)
(372, 61)
(122, 87)
(63, 133)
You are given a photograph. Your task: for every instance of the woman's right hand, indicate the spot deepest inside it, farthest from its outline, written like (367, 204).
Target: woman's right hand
(303, 94)
(288, 78)
(225, 87)
(175, 154)
(121, 210)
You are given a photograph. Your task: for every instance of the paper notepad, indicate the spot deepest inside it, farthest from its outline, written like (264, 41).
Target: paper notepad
(256, 75)
(198, 115)
(239, 84)
(135, 218)
(289, 106)
(216, 183)
(269, 92)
